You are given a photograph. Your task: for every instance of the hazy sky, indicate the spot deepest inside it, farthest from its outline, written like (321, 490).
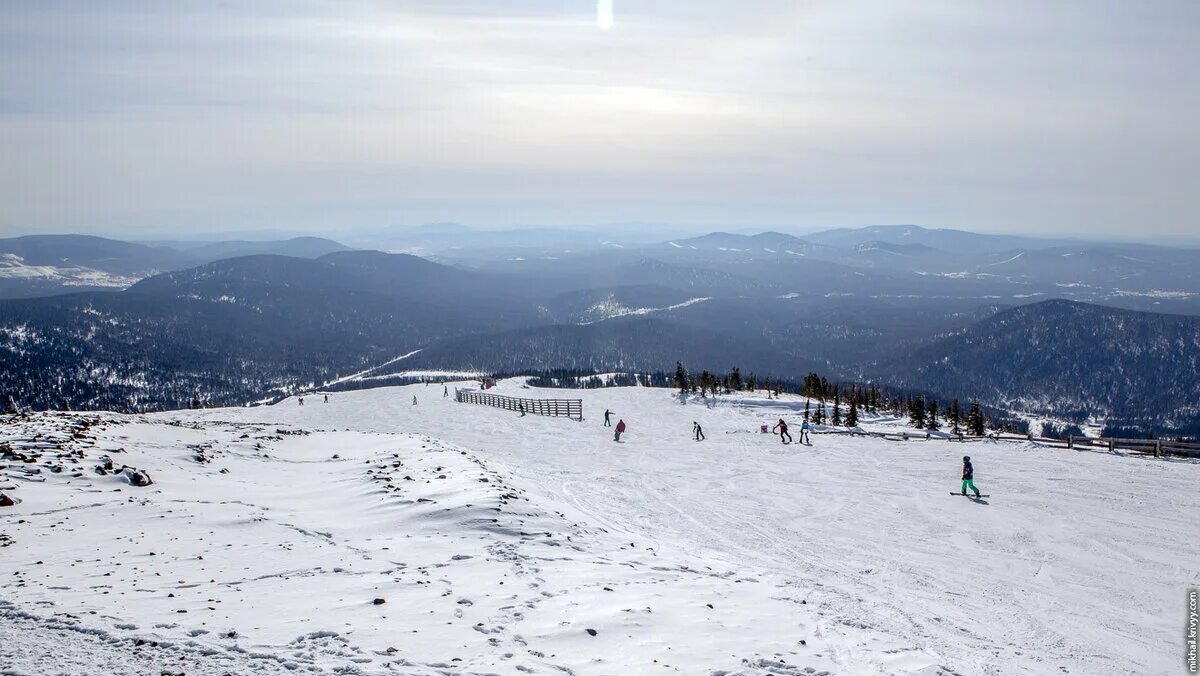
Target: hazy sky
(168, 117)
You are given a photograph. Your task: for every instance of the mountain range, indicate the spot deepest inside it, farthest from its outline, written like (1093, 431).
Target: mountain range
(249, 327)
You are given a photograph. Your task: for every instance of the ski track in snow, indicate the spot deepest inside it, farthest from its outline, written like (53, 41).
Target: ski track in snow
(498, 541)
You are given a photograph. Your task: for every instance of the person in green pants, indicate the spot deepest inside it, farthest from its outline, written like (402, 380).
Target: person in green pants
(968, 476)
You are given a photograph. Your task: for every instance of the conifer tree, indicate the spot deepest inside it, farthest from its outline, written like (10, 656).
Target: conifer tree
(931, 421)
(735, 380)
(836, 419)
(852, 416)
(916, 411)
(681, 377)
(819, 416)
(975, 421)
(955, 418)
(806, 404)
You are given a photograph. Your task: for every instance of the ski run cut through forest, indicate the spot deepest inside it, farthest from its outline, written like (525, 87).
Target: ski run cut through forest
(397, 531)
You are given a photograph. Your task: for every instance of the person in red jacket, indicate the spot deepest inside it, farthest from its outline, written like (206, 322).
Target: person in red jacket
(784, 437)
(620, 429)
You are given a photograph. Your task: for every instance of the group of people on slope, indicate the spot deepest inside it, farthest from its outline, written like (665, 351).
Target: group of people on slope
(619, 429)
(782, 428)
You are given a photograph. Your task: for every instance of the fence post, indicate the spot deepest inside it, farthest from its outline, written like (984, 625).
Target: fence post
(1070, 441)
(1112, 445)
(1157, 447)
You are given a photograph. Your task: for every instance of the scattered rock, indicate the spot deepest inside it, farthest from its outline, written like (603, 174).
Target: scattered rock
(6, 501)
(137, 477)
(379, 602)
(591, 632)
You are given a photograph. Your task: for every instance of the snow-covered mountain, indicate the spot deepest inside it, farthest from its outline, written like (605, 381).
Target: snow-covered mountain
(374, 535)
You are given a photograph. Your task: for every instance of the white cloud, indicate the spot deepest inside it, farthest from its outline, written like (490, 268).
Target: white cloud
(1072, 116)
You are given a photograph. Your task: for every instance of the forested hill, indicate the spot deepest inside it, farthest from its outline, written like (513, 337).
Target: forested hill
(1070, 358)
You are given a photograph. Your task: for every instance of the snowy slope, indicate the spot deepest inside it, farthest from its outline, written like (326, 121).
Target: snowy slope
(497, 542)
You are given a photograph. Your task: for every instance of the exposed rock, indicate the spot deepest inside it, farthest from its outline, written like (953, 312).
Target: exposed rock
(137, 477)
(6, 501)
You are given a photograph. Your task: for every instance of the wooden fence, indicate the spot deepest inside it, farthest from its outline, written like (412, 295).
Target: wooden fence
(568, 408)
(1155, 447)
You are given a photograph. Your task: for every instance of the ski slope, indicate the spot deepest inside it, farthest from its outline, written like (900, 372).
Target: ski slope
(506, 544)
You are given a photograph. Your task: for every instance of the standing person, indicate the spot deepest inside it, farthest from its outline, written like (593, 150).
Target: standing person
(301, 400)
(804, 433)
(414, 400)
(445, 391)
(326, 398)
(522, 409)
(697, 431)
(620, 429)
(784, 437)
(607, 413)
(968, 480)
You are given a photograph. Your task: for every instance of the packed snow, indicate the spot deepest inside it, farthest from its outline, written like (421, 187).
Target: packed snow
(373, 535)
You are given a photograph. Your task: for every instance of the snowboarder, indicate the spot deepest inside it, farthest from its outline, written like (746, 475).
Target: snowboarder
(968, 480)
(784, 437)
(445, 391)
(522, 409)
(620, 429)
(301, 400)
(804, 433)
(327, 399)
(697, 431)
(607, 413)
(414, 400)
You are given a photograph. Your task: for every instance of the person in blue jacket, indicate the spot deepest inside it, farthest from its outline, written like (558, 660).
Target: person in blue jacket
(968, 477)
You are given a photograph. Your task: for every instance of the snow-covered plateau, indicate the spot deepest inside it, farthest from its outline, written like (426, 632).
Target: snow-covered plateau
(372, 535)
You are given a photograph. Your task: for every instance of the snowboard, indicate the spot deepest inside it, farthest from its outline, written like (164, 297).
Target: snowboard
(971, 495)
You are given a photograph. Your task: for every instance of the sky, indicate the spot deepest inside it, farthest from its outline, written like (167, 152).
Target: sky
(168, 119)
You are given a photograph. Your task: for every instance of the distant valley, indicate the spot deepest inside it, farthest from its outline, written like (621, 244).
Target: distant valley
(1070, 329)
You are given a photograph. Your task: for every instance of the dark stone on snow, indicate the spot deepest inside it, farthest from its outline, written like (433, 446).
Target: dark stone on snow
(6, 501)
(379, 602)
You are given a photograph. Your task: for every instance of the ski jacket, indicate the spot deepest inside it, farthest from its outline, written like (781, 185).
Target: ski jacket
(782, 426)
(804, 425)
(968, 471)
(621, 427)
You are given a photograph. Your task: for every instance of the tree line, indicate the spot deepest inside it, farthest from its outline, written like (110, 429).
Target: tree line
(840, 405)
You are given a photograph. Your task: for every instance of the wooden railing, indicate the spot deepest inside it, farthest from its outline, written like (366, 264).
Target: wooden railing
(567, 408)
(1155, 447)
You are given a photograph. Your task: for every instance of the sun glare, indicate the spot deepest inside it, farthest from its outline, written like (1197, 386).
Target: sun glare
(604, 14)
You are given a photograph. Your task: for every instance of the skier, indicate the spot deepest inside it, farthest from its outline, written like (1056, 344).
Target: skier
(620, 429)
(784, 437)
(697, 431)
(327, 399)
(445, 391)
(804, 433)
(414, 400)
(968, 476)
(607, 413)
(301, 400)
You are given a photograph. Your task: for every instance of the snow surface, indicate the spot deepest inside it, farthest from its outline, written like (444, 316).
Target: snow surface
(611, 308)
(497, 542)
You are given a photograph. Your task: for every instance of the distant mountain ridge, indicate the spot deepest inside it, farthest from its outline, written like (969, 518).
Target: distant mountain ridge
(1071, 359)
(42, 265)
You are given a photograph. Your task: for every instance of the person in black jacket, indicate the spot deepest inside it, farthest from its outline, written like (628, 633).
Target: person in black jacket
(968, 477)
(697, 431)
